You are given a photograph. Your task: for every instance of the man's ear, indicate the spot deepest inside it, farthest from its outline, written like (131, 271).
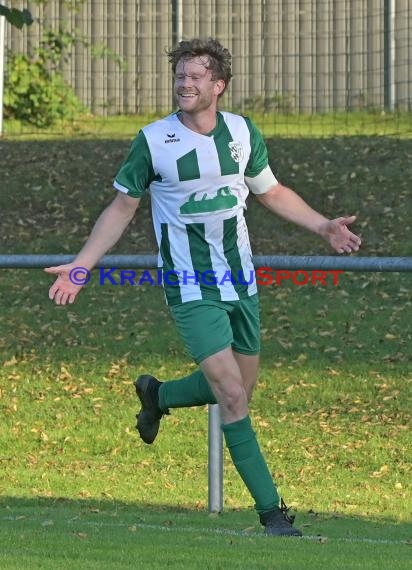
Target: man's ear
(219, 86)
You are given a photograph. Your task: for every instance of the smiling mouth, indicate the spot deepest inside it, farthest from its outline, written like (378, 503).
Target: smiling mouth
(187, 95)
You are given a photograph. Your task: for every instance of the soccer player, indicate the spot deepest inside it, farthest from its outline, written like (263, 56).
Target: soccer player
(200, 165)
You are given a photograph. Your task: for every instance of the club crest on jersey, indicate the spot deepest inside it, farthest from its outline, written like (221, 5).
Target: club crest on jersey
(236, 151)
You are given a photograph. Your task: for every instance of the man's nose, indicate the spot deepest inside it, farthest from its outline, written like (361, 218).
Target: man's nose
(186, 81)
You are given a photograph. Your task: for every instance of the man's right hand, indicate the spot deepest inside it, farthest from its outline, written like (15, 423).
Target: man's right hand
(71, 278)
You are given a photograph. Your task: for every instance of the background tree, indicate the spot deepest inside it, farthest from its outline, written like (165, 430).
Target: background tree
(15, 17)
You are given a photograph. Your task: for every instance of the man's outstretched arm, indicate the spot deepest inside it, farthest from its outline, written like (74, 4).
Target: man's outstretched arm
(284, 202)
(105, 234)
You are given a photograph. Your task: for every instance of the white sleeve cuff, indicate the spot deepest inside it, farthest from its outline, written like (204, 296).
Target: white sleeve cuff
(119, 187)
(261, 183)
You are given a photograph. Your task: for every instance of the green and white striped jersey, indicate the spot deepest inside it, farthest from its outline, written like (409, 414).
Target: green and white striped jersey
(198, 186)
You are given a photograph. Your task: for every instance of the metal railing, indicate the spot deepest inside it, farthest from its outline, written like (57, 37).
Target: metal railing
(292, 262)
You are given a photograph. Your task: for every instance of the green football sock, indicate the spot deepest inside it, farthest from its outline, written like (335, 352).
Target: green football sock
(193, 390)
(250, 464)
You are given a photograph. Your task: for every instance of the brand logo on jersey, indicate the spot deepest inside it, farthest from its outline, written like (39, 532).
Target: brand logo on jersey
(171, 138)
(236, 151)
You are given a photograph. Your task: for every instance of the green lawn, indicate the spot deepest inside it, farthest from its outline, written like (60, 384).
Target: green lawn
(90, 535)
(332, 407)
(362, 123)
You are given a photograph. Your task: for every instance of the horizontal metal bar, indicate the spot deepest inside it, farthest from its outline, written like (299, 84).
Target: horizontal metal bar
(290, 262)
(43, 260)
(334, 262)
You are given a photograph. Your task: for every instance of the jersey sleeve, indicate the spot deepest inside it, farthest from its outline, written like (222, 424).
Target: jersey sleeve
(136, 173)
(258, 155)
(258, 174)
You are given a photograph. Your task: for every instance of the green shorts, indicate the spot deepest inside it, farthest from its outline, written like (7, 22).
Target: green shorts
(208, 326)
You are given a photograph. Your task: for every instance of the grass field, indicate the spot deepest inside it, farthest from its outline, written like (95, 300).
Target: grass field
(93, 535)
(360, 123)
(332, 408)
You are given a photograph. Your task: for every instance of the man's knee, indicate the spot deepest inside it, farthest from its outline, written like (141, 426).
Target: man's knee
(232, 396)
(225, 378)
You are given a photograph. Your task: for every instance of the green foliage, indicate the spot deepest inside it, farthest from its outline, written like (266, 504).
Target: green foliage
(17, 18)
(35, 90)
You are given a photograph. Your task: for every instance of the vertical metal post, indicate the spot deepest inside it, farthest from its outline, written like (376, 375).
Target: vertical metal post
(389, 55)
(177, 32)
(215, 460)
(179, 20)
(2, 42)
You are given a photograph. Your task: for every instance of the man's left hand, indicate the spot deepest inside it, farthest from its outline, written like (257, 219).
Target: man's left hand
(338, 235)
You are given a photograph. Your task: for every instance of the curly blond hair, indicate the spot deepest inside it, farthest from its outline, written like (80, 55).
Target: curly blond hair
(219, 57)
